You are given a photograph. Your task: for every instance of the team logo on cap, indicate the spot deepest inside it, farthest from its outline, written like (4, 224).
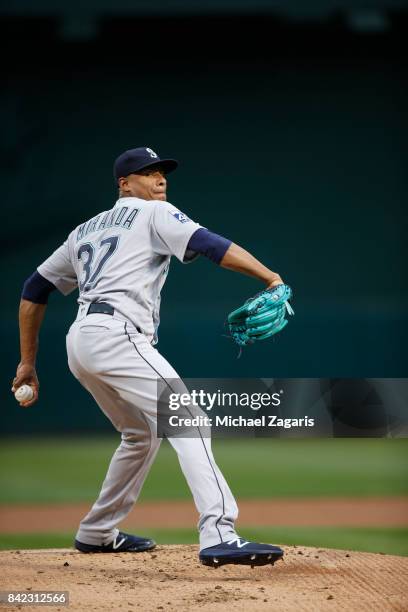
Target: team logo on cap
(152, 153)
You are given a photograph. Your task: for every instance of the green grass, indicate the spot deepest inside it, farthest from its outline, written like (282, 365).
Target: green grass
(388, 540)
(72, 469)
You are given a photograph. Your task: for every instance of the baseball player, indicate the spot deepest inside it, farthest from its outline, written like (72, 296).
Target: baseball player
(119, 260)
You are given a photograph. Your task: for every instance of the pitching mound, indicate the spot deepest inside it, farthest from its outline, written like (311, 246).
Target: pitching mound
(171, 578)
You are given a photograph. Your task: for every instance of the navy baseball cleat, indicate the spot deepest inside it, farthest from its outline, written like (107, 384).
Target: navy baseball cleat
(241, 552)
(123, 542)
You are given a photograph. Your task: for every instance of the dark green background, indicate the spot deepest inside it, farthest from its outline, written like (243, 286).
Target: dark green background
(298, 157)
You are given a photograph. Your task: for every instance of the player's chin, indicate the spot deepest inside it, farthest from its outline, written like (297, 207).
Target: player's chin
(160, 196)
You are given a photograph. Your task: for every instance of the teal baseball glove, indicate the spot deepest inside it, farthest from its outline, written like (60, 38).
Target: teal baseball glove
(262, 316)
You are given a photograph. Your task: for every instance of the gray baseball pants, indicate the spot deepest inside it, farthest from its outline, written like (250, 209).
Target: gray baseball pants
(120, 368)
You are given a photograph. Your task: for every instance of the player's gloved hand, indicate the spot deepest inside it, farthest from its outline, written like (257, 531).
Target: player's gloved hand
(262, 316)
(26, 375)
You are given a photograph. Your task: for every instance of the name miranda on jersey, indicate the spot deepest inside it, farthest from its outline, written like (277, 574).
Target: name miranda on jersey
(117, 217)
(271, 420)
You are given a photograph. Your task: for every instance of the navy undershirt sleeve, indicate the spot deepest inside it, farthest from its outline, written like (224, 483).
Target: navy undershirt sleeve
(37, 289)
(208, 244)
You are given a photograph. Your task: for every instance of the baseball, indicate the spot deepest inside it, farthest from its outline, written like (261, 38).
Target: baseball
(24, 393)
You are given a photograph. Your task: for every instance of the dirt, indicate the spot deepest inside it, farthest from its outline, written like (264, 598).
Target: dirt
(353, 512)
(170, 578)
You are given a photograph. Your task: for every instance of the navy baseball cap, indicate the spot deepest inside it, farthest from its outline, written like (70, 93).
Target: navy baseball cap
(134, 160)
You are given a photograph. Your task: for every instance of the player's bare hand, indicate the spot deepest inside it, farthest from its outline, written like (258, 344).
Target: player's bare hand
(26, 375)
(274, 281)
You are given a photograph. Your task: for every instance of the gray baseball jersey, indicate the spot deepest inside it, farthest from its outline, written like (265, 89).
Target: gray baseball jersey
(122, 256)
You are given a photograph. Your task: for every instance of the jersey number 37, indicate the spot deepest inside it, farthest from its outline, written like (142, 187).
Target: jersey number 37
(94, 259)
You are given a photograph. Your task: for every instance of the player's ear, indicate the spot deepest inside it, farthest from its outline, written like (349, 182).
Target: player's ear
(123, 184)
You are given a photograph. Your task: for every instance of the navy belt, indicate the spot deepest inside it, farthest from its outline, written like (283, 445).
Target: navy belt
(104, 308)
(100, 308)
